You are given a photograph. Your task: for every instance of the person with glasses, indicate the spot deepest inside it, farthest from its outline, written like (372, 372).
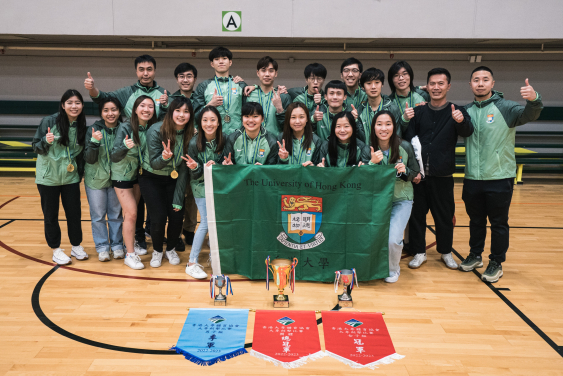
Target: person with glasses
(350, 72)
(312, 94)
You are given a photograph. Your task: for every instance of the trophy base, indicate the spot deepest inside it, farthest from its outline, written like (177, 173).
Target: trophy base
(220, 302)
(345, 303)
(281, 303)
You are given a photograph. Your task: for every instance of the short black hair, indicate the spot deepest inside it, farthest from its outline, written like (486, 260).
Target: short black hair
(372, 74)
(252, 108)
(145, 59)
(351, 61)
(265, 63)
(395, 68)
(436, 71)
(336, 84)
(220, 52)
(481, 68)
(315, 69)
(183, 68)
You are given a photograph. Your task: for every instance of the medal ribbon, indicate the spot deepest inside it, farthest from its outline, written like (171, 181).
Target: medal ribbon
(256, 148)
(354, 278)
(106, 144)
(226, 101)
(409, 100)
(267, 98)
(300, 152)
(68, 147)
(371, 114)
(140, 153)
(177, 153)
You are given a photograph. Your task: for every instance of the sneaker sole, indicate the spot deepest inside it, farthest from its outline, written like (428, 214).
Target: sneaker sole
(118, 257)
(105, 260)
(492, 279)
(416, 267)
(179, 262)
(59, 263)
(135, 268)
(72, 254)
(471, 268)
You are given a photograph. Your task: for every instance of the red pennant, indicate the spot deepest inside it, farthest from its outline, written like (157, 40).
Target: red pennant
(286, 338)
(358, 339)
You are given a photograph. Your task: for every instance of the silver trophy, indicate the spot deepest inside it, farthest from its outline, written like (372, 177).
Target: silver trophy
(345, 277)
(220, 281)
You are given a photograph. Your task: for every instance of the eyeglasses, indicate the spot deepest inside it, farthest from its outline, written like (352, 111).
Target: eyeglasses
(186, 77)
(346, 71)
(317, 79)
(402, 75)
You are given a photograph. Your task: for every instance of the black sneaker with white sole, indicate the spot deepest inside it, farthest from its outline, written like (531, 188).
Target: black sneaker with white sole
(471, 262)
(493, 272)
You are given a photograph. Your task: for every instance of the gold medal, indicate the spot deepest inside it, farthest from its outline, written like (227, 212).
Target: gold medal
(174, 174)
(141, 171)
(70, 167)
(227, 118)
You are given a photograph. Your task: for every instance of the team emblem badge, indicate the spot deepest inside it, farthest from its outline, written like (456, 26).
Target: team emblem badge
(261, 153)
(285, 321)
(301, 220)
(216, 319)
(234, 91)
(353, 323)
(490, 118)
(309, 152)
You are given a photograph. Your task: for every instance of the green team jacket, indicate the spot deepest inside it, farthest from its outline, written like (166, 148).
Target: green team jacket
(415, 98)
(97, 173)
(366, 115)
(164, 167)
(204, 93)
(322, 128)
(356, 99)
(489, 153)
(403, 189)
(363, 154)
(128, 94)
(299, 155)
(273, 121)
(300, 94)
(202, 157)
(263, 149)
(125, 161)
(53, 159)
(178, 94)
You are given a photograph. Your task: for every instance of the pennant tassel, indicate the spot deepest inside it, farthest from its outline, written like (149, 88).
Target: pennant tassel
(354, 278)
(373, 365)
(210, 362)
(295, 364)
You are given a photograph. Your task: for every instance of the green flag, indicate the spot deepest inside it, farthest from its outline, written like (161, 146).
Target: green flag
(329, 218)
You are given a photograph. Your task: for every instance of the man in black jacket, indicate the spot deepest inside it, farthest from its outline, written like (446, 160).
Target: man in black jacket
(438, 125)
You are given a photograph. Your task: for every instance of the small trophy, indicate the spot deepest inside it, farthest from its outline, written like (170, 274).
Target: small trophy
(220, 281)
(283, 271)
(347, 276)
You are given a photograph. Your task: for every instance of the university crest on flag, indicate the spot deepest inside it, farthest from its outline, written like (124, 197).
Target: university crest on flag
(301, 219)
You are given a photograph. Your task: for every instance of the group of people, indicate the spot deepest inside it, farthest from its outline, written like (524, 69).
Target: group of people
(167, 138)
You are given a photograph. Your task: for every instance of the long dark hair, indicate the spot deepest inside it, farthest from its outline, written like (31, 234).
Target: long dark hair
(394, 141)
(135, 118)
(395, 68)
(168, 128)
(219, 139)
(64, 125)
(288, 132)
(333, 140)
(113, 100)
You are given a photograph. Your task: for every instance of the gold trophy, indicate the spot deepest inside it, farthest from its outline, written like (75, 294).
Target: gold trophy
(283, 271)
(347, 276)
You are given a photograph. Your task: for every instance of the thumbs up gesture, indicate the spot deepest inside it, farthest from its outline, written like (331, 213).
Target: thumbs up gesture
(376, 156)
(192, 165)
(49, 137)
(277, 102)
(317, 97)
(89, 85)
(164, 99)
(322, 164)
(97, 135)
(227, 161)
(283, 153)
(318, 116)
(216, 100)
(528, 92)
(457, 115)
(129, 142)
(409, 111)
(354, 112)
(166, 152)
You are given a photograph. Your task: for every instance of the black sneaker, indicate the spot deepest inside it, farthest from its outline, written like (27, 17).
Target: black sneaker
(493, 272)
(189, 237)
(471, 262)
(180, 246)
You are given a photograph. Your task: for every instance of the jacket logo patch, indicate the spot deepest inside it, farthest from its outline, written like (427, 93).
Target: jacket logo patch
(490, 118)
(234, 91)
(309, 152)
(261, 152)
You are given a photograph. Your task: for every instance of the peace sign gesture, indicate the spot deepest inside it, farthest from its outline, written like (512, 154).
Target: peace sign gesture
(166, 153)
(228, 161)
(282, 152)
(192, 165)
(277, 102)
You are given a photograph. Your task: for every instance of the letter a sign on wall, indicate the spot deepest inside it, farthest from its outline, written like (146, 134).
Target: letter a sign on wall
(232, 20)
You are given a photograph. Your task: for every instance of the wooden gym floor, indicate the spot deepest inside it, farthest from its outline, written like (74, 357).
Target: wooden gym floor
(443, 321)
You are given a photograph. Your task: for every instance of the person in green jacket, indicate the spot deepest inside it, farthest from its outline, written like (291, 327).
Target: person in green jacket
(403, 91)
(306, 146)
(251, 144)
(59, 144)
(145, 68)
(204, 150)
(129, 159)
(388, 148)
(372, 81)
(490, 167)
(334, 103)
(221, 91)
(350, 72)
(273, 102)
(186, 76)
(163, 187)
(101, 195)
(344, 149)
(312, 94)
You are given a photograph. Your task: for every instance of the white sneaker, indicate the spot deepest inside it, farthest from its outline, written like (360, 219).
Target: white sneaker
(196, 271)
(139, 250)
(78, 252)
(156, 260)
(172, 257)
(393, 277)
(118, 254)
(103, 256)
(449, 261)
(60, 257)
(133, 261)
(417, 261)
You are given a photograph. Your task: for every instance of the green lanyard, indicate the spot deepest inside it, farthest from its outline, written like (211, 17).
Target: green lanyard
(409, 100)
(140, 150)
(327, 113)
(178, 153)
(268, 98)
(68, 147)
(300, 151)
(357, 97)
(256, 148)
(106, 144)
(227, 101)
(345, 159)
(371, 114)
(211, 147)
